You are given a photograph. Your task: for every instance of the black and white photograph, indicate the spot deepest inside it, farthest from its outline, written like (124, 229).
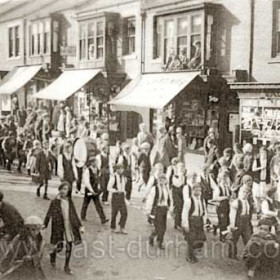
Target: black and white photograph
(139, 139)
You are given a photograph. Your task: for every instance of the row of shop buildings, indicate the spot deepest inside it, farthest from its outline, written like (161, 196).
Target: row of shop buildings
(201, 63)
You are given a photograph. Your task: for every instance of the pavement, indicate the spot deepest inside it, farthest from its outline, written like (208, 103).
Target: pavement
(107, 256)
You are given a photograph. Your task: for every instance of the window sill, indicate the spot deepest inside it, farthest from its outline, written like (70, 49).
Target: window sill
(14, 58)
(132, 56)
(274, 60)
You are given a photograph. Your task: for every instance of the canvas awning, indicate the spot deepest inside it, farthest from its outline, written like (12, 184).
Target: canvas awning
(69, 82)
(153, 91)
(18, 78)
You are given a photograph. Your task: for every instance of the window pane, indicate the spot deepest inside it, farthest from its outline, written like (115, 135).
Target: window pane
(194, 40)
(100, 53)
(278, 42)
(100, 42)
(55, 36)
(100, 28)
(169, 28)
(82, 49)
(91, 29)
(182, 44)
(11, 42)
(131, 27)
(91, 49)
(83, 31)
(17, 41)
(131, 45)
(182, 26)
(39, 43)
(46, 42)
(278, 20)
(196, 24)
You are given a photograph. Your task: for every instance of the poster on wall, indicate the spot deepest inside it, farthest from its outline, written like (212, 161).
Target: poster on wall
(263, 122)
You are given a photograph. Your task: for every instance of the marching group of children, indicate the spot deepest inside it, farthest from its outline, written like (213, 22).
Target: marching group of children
(240, 185)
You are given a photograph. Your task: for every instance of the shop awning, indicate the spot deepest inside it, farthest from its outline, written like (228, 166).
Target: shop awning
(18, 78)
(153, 90)
(69, 82)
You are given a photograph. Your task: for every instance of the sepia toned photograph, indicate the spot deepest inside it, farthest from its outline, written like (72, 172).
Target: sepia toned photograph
(139, 139)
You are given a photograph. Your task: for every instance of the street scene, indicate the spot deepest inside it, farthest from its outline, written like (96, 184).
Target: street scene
(139, 139)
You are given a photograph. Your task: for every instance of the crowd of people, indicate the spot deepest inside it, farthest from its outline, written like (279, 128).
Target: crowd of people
(241, 184)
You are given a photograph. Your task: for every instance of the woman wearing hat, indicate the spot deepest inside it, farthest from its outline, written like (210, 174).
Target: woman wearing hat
(22, 261)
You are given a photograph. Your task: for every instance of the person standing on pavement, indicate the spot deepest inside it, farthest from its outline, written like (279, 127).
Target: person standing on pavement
(159, 199)
(181, 144)
(144, 136)
(66, 225)
(43, 167)
(92, 190)
(66, 167)
(119, 203)
(103, 165)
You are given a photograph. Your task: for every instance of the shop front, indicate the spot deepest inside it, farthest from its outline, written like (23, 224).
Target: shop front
(259, 112)
(187, 99)
(15, 88)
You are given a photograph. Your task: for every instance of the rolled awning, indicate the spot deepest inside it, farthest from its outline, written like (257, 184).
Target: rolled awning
(18, 78)
(153, 91)
(69, 82)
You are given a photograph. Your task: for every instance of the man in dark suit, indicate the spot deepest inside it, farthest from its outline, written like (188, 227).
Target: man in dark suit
(43, 166)
(11, 218)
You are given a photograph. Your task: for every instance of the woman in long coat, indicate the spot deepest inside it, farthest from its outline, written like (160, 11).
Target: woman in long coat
(66, 225)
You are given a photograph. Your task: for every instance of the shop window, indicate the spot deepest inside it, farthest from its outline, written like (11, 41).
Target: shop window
(276, 29)
(129, 35)
(14, 41)
(178, 40)
(91, 42)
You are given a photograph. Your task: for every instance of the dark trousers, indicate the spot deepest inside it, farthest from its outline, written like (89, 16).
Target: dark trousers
(178, 201)
(128, 186)
(118, 205)
(80, 176)
(97, 204)
(104, 179)
(58, 249)
(46, 183)
(196, 235)
(160, 222)
(244, 230)
(223, 218)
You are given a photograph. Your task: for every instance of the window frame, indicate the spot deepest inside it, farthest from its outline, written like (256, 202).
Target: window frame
(14, 42)
(127, 37)
(159, 23)
(95, 38)
(40, 40)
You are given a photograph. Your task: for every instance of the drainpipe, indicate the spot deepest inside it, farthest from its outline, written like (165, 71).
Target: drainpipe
(24, 49)
(252, 28)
